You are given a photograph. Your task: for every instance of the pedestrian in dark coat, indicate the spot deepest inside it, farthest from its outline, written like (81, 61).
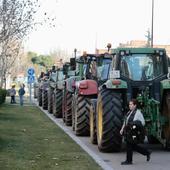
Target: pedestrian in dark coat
(128, 128)
(21, 93)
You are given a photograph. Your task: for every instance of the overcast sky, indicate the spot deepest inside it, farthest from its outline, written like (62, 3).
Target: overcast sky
(87, 24)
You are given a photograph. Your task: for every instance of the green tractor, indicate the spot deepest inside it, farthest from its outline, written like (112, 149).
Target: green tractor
(41, 79)
(73, 72)
(86, 90)
(140, 73)
(69, 71)
(52, 85)
(43, 86)
(58, 92)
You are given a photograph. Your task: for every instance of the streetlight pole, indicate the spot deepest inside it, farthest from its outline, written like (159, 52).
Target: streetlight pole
(152, 23)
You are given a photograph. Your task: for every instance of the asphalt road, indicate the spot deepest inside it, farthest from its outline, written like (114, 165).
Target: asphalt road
(160, 159)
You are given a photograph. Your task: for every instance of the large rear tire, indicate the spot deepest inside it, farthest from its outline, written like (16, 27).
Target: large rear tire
(44, 99)
(109, 120)
(64, 104)
(93, 129)
(57, 104)
(50, 99)
(40, 97)
(68, 109)
(73, 111)
(166, 112)
(82, 127)
(35, 91)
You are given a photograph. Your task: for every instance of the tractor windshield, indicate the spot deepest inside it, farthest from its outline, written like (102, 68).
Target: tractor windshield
(60, 75)
(84, 69)
(103, 71)
(141, 67)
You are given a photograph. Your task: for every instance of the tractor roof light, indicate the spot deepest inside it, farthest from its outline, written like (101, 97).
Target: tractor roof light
(94, 58)
(122, 53)
(127, 52)
(159, 52)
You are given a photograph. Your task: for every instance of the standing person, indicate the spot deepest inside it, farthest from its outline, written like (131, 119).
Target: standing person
(12, 94)
(133, 115)
(21, 93)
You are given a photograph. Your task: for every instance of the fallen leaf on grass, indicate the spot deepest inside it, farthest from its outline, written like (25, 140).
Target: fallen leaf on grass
(54, 158)
(32, 161)
(38, 156)
(77, 157)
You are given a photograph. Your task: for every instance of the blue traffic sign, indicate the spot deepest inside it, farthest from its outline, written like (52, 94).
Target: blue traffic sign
(31, 79)
(30, 71)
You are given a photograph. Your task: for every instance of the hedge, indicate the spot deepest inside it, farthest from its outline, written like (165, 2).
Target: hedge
(3, 93)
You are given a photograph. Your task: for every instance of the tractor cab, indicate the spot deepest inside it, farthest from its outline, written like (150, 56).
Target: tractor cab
(140, 68)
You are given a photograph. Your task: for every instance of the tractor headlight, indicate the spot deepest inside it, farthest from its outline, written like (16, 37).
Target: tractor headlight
(122, 53)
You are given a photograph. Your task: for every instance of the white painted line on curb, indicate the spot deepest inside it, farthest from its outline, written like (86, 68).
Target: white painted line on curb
(97, 159)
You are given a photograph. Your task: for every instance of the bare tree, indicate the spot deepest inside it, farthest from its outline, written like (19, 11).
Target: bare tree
(16, 21)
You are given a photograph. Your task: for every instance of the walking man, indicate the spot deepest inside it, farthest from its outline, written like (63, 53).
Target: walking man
(12, 94)
(21, 93)
(133, 115)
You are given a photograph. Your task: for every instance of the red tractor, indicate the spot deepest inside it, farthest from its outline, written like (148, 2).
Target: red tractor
(87, 90)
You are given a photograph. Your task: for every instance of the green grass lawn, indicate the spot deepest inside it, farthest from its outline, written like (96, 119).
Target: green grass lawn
(30, 141)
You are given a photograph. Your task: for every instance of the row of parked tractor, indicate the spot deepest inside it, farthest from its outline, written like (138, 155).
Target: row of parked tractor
(91, 92)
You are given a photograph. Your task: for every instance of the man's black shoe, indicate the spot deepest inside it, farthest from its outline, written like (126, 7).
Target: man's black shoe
(148, 156)
(126, 163)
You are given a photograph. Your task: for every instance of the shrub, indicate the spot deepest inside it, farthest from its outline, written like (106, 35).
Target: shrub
(3, 93)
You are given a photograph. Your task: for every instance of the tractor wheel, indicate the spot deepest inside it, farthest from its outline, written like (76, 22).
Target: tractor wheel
(57, 111)
(93, 133)
(35, 91)
(39, 97)
(50, 100)
(54, 103)
(82, 127)
(73, 112)
(109, 120)
(64, 104)
(166, 112)
(44, 100)
(68, 109)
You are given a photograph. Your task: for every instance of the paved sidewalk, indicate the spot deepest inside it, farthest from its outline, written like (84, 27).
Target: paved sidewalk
(26, 101)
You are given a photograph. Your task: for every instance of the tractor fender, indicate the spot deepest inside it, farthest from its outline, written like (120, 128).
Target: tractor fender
(87, 87)
(115, 84)
(165, 84)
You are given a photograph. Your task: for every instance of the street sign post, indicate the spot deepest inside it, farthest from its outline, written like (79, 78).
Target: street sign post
(31, 71)
(31, 79)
